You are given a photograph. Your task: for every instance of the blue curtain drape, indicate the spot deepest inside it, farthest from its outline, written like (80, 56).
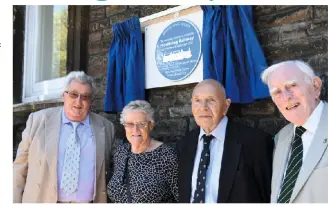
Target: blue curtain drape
(126, 66)
(231, 52)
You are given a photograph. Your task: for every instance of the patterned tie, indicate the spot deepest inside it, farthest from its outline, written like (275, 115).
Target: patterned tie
(293, 168)
(199, 195)
(70, 175)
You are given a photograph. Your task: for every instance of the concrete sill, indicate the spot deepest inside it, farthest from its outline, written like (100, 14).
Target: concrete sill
(35, 106)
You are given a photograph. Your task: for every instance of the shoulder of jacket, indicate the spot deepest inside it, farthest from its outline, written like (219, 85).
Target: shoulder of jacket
(285, 129)
(46, 112)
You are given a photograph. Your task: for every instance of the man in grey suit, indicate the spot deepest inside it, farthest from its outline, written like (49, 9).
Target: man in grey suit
(300, 164)
(64, 150)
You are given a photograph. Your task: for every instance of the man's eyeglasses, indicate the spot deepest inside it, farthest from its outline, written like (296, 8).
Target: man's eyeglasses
(75, 95)
(131, 125)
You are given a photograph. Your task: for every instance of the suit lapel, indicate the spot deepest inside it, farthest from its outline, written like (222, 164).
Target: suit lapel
(280, 160)
(99, 138)
(52, 132)
(187, 163)
(230, 160)
(316, 150)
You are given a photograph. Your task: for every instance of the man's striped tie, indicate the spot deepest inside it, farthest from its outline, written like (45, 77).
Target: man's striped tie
(199, 195)
(293, 168)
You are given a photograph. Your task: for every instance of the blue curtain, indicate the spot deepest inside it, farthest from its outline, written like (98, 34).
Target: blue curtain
(126, 66)
(231, 52)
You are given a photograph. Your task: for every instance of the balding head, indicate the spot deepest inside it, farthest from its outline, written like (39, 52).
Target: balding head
(209, 104)
(217, 86)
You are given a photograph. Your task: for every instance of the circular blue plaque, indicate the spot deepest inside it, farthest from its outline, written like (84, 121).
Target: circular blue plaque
(178, 50)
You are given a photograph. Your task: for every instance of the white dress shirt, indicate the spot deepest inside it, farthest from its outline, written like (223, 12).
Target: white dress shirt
(85, 190)
(311, 126)
(213, 171)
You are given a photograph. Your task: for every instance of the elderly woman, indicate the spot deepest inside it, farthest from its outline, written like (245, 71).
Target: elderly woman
(145, 170)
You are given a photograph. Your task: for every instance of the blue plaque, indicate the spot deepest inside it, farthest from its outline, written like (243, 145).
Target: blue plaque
(178, 50)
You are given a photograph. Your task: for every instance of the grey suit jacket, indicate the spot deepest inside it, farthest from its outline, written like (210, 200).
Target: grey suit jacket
(312, 183)
(35, 166)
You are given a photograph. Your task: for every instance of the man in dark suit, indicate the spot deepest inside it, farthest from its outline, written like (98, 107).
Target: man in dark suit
(222, 161)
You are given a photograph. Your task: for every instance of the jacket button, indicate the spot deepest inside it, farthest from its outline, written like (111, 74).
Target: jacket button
(39, 162)
(38, 186)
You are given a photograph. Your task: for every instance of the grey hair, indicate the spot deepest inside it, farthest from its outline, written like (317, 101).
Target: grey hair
(82, 78)
(303, 66)
(138, 105)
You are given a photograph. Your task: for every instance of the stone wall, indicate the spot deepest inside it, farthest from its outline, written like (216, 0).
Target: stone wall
(285, 32)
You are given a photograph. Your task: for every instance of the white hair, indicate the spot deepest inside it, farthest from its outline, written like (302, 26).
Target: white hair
(303, 66)
(138, 105)
(82, 78)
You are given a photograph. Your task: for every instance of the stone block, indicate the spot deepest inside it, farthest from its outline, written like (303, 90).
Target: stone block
(114, 9)
(268, 36)
(180, 111)
(164, 98)
(97, 14)
(244, 121)
(272, 125)
(98, 60)
(151, 9)
(320, 11)
(284, 16)
(296, 49)
(293, 31)
(100, 89)
(97, 104)
(123, 17)
(107, 33)
(161, 112)
(263, 9)
(113, 117)
(318, 27)
(258, 108)
(99, 47)
(319, 63)
(97, 70)
(95, 36)
(92, 7)
(192, 123)
(99, 25)
(324, 90)
(172, 126)
(184, 93)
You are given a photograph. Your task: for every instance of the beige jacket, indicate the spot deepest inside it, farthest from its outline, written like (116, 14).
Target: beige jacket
(35, 166)
(312, 183)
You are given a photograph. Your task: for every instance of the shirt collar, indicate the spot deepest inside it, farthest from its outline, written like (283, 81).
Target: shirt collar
(219, 130)
(311, 124)
(65, 120)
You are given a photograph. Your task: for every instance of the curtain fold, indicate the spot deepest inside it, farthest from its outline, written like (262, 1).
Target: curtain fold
(231, 52)
(126, 66)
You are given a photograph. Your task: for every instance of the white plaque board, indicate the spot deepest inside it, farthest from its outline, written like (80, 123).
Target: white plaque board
(154, 78)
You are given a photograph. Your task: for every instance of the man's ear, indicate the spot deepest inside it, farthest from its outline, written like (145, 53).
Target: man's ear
(317, 84)
(227, 103)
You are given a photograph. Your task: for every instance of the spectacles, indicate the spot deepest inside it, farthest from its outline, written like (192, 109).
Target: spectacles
(75, 95)
(131, 125)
